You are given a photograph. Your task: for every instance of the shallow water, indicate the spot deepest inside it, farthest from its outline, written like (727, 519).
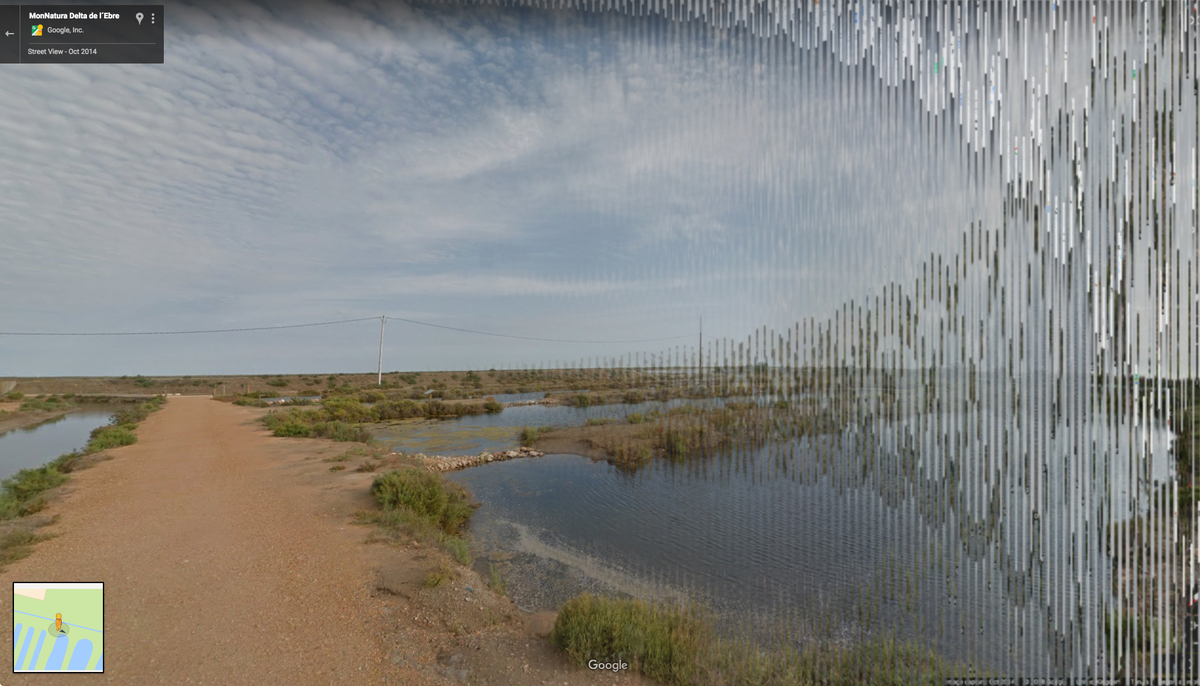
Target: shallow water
(35, 446)
(799, 524)
(472, 435)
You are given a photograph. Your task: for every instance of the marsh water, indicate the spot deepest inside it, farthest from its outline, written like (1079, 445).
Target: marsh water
(755, 534)
(34, 446)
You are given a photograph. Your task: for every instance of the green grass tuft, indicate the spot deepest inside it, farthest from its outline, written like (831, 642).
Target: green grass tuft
(531, 434)
(459, 548)
(678, 645)
(427, 495)
(663, 643)
(496, 580)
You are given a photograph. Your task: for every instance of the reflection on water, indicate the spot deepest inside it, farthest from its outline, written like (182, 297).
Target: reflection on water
(35, 446)
(974, 233)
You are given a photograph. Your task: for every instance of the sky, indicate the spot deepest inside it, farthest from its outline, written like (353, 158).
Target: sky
(548, 174)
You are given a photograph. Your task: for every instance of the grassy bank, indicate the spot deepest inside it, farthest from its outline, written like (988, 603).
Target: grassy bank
(415, 504)
(686, 431)
(423, 506)
(678, 645)
(25, 493)
(46, 403)
(341, 417)
(22, 493)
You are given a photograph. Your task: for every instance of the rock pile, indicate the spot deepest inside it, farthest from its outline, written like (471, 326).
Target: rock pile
(441, 463)
(523, 403)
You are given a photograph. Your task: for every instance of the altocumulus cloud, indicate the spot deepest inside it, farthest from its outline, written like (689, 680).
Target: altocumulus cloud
(555, 173)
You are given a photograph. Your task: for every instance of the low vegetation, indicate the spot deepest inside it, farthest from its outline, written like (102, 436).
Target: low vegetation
(16, 545)
(314, 424)
(25, 492)
(420, 505)
(341, 417)
(460, 549)
(46, 403)
(687, 431)
(531, 434)
(425, 496)
(679, 645)
(496, 580)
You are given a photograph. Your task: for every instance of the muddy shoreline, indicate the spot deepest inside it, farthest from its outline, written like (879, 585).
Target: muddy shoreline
(11, 421)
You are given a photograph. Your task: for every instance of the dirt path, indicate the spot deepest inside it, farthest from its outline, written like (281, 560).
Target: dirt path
(213, 565)
(228, 557)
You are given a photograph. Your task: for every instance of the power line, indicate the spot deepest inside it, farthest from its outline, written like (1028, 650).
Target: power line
(330, 323)
(533, 338)
(181, 333)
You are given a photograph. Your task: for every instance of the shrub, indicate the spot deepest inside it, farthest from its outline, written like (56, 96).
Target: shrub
(20, 490)
(245, 401)
(278, 383)
(288, 424)
(341, 431)
(398, 409)
(347, 410)
(492, 406)
(530, 435)
(107, 437)
(295, 423)
(425, 494)
(51, 403)
(664, 644)
(14, 395)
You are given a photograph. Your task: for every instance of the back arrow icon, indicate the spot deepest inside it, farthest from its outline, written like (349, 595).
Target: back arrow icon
(8, 33)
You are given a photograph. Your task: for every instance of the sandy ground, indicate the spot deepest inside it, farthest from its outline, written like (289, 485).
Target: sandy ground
(229, 557)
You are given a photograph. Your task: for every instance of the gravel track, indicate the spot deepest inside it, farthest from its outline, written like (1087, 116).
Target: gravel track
(220, 566)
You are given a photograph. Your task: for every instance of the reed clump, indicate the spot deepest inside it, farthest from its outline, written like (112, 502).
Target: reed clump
(690, 431)
(532, 434)
(678, 644)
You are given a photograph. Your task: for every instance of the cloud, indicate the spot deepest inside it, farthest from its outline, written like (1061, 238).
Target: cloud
(297, 162)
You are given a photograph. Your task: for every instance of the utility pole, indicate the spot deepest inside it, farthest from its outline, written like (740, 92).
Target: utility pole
(382, 323)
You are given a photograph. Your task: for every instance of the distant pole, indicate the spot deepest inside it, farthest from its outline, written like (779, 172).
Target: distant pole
(700, 352)
(382, 323)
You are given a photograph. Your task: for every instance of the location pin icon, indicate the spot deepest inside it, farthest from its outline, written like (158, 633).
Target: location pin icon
(139, 16)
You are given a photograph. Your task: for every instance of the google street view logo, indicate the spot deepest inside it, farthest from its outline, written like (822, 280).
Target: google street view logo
(37, 29)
